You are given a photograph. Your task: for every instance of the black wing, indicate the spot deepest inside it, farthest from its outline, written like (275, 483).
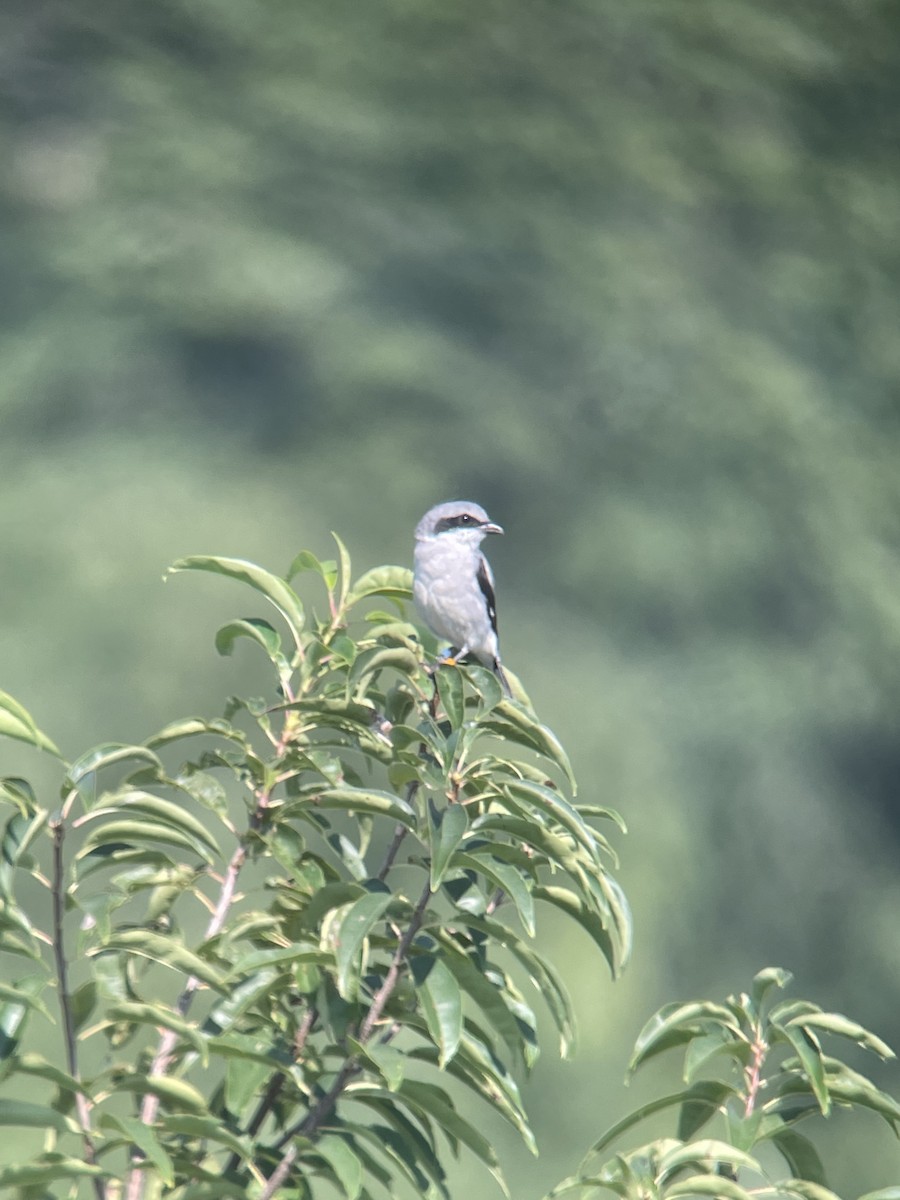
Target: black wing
(486, 583)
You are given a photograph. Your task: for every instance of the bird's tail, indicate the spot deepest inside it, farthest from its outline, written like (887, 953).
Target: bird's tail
(501, 675)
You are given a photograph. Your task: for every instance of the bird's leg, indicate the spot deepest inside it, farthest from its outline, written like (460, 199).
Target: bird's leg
(452, 657)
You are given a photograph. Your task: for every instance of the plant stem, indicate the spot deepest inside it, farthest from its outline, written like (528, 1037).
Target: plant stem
(316, 1115)
(82, 1103)
(753, 1074)
(162, 1060)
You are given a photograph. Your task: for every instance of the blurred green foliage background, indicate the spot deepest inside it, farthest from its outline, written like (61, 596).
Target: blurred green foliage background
(627, 274)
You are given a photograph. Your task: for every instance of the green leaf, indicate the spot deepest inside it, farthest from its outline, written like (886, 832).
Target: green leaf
(552, 804)
(707, 1096)
(305, 561)
(765, 980)
(17, 722)
(18, 837)
(82, 1003)
(38, 1116)
(849, 1087)
(811, 1060)
(396, 658)
(256, 630)
(804, 1189)
(19, 792)
(275, 590)
(197, 727)
(164, 950)
(434, 1103)
(147, 1142)
(717, 1186)
(593, 925)
(141, 832)
(177, 1093)
(447, 828)
(448, 681)
(838, 1024)
(360, 800)
(355, 926)
(506, 876)
(161, 1018)
(106, 755)
(676, 1024)
(39, 1173)
(36, 1064)
(702, 1049)
(441, 1001)
(344, 1163)
(212, 1128)
(484, 993)
(173, 815)
(344, 572)
(888, 1193)
(705, 1153)
(394, 582)
(700, 1103)
(800, 1155)
(510, 721)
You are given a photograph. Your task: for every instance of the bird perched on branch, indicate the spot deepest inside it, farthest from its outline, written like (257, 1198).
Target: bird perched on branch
(453, 585)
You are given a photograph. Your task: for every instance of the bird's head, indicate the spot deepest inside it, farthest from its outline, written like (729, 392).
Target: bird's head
(462, 519)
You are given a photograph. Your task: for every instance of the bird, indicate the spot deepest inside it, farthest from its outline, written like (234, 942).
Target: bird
(453, 585)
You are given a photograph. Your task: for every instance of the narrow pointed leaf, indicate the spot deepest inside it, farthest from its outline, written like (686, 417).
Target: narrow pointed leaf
(107, 755)
(275, 590)
(174, 815)
(38, 1116)
(137, 833)
(708, 1092)
(450, 689)
(675, 1024)
(144, 1137)
(838, 1024)
(811, 1060)
(177, 1093)
(40, 1173)
(17, 722)
(364, 800)
(393, 582)
(716, 1186)
(355, 926)
(211, 1128)
(164, 950)
(447, 828)
(343, 1162)
(255, 630)
(510, 721)
(161, 1018)
(575, 907)
(800, 1155)
(441, 1000)
(506, 877)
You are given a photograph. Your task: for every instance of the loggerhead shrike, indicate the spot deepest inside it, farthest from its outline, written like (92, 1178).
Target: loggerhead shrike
(453, 585)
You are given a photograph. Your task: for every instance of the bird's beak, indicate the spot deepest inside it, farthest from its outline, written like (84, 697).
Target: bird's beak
(491, 528)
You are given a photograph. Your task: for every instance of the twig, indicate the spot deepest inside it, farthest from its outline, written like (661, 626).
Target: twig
(162, 1060)
(753, 1074)
(276, 1083)
(65, 1000)
(325, 1105)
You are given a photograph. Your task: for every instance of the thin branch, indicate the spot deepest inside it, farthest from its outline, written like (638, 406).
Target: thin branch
(323, 1108)
(392, 851)
(753, 1074)
(162, 1060)
(276, 1083)
(82, 1103)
